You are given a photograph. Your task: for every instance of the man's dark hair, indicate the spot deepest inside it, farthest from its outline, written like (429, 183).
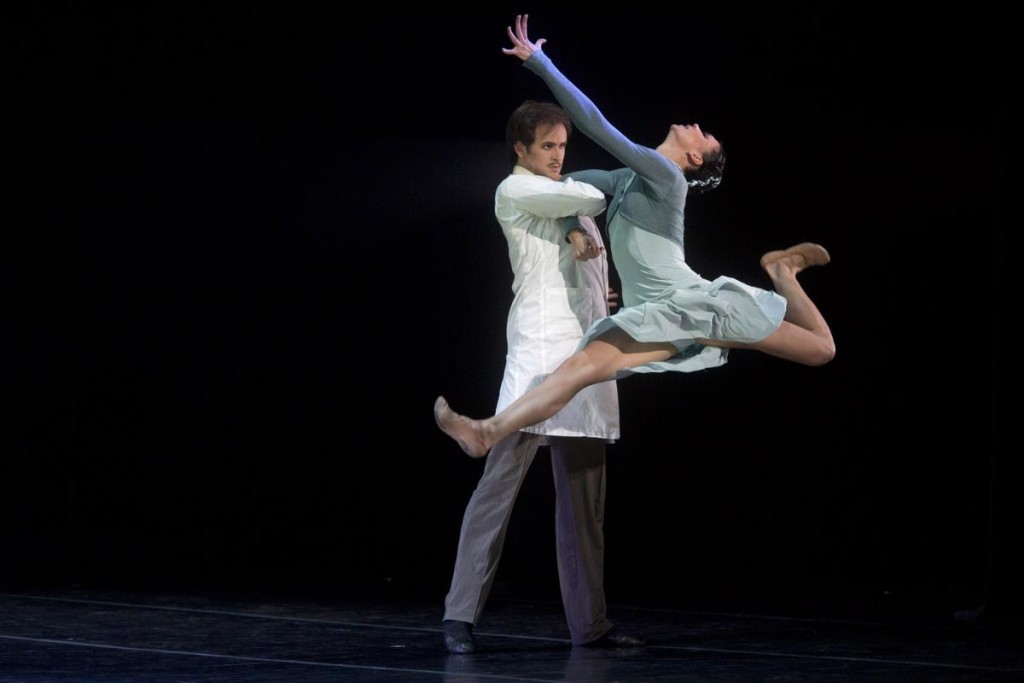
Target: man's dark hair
(527, 117)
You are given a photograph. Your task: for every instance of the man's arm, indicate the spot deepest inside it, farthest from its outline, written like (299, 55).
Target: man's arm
(549, 198)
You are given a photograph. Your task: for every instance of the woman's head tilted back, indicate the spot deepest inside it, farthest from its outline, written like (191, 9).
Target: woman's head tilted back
(700, 155)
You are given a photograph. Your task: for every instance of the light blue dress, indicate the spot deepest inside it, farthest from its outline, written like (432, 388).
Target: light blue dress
(663, 299)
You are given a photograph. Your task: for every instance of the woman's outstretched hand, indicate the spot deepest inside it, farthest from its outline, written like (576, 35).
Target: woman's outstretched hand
(521, 45)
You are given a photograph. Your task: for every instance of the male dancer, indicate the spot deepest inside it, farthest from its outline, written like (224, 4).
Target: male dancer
(560, 287)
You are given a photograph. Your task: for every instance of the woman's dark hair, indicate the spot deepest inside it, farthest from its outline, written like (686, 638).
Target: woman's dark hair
(709, 174)
(525, 119)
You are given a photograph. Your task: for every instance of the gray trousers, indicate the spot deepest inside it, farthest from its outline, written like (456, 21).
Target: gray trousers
(578, 465)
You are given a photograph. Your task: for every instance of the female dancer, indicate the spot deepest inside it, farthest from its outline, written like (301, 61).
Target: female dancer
(672, 319)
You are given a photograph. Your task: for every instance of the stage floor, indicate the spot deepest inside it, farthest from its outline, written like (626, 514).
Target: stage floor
(142, 637)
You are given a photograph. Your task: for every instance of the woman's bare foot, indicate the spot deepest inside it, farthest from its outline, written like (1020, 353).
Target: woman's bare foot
(465, 431)
(796, 258)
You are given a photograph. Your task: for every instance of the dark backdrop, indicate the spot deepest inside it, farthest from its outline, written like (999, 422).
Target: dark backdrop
(249, 246)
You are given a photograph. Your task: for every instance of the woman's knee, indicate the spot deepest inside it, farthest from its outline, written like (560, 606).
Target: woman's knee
(825, 353)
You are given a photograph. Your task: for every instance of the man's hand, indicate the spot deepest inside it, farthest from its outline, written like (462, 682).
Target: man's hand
(584, 246)
(521, 45)
(613, 299)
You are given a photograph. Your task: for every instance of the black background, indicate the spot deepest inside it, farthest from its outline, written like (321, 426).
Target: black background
(249, 245)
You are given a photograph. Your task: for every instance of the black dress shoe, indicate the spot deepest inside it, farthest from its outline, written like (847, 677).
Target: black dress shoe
(615, 638)
(458, 637)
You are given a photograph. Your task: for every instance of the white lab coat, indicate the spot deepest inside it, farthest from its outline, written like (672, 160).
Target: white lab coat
(556, 298)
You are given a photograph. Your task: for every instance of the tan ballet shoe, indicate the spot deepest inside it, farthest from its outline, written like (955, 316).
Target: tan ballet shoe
(801, 256)
(459, 428)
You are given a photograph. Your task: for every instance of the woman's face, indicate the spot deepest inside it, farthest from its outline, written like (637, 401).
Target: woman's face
(690, 138)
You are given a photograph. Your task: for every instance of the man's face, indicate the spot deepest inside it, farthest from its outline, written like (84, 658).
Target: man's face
(545, 155)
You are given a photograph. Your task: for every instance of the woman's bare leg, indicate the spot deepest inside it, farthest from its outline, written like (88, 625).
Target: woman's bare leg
(804, 336)
(596, 362)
